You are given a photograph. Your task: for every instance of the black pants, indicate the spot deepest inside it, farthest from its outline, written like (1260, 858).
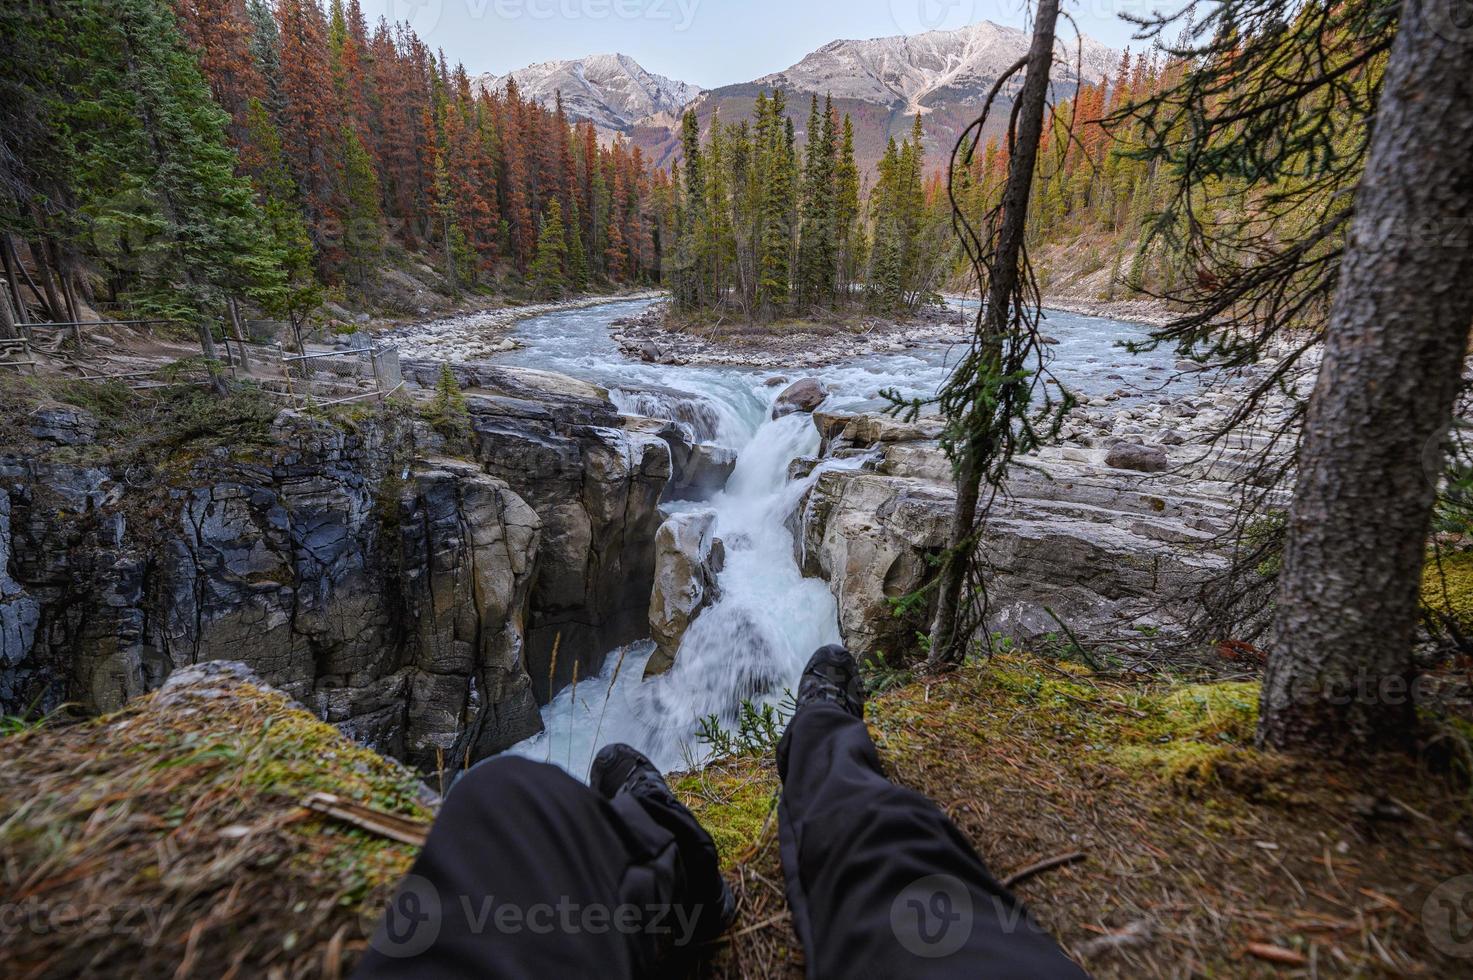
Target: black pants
(529, 873)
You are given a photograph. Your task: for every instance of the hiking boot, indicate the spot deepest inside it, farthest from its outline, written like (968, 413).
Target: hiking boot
(832, 675)
(622, 768)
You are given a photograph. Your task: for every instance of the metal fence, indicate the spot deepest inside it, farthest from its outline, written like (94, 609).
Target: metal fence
(17, 354)
(339, 377)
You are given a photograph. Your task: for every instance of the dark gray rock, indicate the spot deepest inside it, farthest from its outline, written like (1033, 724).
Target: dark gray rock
(62, 425)
(1142, 459)
(407, 598)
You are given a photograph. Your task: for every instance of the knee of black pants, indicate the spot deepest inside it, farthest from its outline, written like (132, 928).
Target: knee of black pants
(506, 776)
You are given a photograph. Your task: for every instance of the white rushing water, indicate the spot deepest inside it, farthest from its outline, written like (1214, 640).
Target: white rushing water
(753, 642)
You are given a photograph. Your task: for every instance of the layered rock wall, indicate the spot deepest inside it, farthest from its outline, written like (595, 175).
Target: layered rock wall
(409, 597)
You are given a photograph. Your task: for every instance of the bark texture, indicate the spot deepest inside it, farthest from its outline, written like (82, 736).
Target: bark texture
(1341, 667)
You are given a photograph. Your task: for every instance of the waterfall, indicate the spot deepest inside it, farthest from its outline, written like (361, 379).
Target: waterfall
(750, 645)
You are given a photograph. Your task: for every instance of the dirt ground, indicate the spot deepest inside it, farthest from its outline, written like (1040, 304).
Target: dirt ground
(1201, 856)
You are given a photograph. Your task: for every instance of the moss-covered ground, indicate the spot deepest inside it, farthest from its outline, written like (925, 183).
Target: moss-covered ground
(171, 841)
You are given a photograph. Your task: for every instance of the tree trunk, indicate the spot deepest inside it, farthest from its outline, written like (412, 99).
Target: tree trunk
(12, 273)
(8, 328)
(949, 631)
(69, 296)
(1340, 665)
(207, 339)
(54, 307)
(240, 338)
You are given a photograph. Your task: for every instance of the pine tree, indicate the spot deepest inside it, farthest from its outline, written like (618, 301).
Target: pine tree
(449, 411)
(817, 244)
(516, 179)
(777, 205)
(363, 234)
(159, 173)
(548, 272)
(616, 254)
(281, 209)
(310, 128)
(265, 46)
(577, 257)
(849, 234)
(220, 34)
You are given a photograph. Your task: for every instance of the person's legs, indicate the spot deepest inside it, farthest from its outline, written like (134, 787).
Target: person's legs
(529, 873)
(880, 882)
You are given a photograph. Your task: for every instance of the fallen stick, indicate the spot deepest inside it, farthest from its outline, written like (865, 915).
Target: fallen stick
(1048, 864)
(380, 822)
(1275, 954)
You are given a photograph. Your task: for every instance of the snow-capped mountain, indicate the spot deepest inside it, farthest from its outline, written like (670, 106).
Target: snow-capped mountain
(912, 72)
(881, 84)
(610, 90)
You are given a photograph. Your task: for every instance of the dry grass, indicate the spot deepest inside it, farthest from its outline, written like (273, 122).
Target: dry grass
(167, 841)
(1205, 858)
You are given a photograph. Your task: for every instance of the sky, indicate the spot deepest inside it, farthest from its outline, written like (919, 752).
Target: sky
(707, 42)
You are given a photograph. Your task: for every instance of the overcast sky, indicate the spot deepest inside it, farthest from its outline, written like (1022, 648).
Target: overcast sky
(708, 42)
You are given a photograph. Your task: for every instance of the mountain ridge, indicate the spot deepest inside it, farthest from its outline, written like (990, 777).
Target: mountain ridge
(882, 83)
(610, 90)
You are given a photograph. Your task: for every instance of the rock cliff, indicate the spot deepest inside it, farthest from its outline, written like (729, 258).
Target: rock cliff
(407, 596)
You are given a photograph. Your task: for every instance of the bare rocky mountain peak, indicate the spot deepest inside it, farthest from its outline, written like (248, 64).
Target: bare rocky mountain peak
(884, 82)
(610, 90)
(909, 70)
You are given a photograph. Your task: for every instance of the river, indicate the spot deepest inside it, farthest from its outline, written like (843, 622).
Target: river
(753, 642)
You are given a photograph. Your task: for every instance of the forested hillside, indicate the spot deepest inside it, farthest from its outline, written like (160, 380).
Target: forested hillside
(170, 160)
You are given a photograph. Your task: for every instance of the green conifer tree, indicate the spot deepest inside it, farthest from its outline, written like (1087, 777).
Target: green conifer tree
(548, 273)
(577, 255)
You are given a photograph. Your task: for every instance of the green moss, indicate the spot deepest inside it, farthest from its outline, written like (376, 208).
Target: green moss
(1195, 761)
(1226, 712)
(733, 803)
(1189, 737)
(1447, 588)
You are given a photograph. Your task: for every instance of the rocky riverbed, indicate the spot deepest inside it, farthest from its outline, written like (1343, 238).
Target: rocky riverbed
(485, 333)
(1117, 532)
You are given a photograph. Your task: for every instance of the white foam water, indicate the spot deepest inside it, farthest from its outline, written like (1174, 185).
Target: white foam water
(750, 645)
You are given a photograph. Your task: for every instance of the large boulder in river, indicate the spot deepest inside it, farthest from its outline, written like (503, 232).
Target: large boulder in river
(873, 539)
(1102, 549)
(1142, 459)
(800, 396)
(699, 471)
(687, 557)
